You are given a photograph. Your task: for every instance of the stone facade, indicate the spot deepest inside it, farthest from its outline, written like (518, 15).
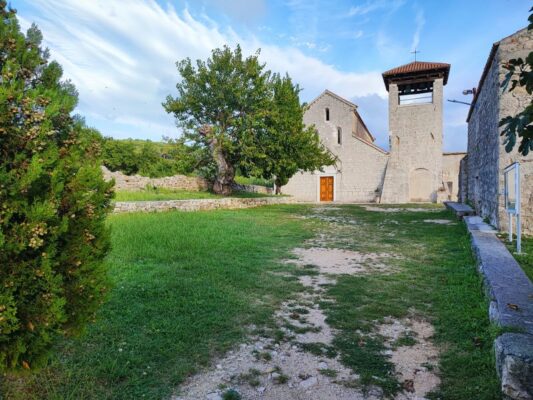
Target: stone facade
(137, 182)
(198, 204)
(360, 171)
(487, 157)
(451, 168)
(358, 174)
(414, 172)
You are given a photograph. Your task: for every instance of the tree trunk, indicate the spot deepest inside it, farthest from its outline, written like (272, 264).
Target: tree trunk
(225, 171)
(278, 185)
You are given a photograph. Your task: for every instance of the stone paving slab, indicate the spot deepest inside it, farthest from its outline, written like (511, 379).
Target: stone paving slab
(511, 306)
(460, 209)
(509, 288)
(514, 360)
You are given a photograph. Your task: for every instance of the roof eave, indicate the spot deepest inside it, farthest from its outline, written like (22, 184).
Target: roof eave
(490, 58)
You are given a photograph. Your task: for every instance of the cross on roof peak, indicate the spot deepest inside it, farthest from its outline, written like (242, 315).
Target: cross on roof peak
(415, 52)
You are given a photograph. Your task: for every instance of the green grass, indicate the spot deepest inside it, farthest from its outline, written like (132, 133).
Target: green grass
(168, 194)
(185, 287)
(241, 180)
(162, 194)
(436, 279)
(525, 258)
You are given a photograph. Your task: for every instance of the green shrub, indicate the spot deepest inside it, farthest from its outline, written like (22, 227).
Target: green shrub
(53, 203)
(147, 158)
(119, 155)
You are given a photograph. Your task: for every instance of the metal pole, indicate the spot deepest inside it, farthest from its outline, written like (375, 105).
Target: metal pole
(518, 219)
(510, 228)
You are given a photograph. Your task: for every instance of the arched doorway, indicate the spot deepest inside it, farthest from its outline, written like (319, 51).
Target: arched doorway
(420, 185)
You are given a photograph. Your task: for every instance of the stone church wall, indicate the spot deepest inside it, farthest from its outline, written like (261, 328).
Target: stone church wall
(487, 157)
(359, 172)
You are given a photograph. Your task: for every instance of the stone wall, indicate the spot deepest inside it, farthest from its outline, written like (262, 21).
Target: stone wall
(463, 180)
(451, 166)
(487, 157)
(198, 204)
(414, 171)
(252, 188)
(359, 173)
(518, 45)
(137, 182)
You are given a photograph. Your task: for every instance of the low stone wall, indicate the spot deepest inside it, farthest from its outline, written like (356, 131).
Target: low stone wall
(510, 292)
(253, 189)
(137, 182)
(198, 204)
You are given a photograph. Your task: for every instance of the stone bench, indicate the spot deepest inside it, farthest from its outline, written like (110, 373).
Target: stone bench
(460, 209)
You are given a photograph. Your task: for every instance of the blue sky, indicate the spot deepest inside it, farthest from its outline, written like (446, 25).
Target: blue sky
(121, 54)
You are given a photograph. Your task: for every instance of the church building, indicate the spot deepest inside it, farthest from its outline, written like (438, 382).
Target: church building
(414, 170)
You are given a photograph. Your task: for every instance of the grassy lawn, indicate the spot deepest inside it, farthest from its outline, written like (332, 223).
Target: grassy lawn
(436, 281)
(186, 286)
(242, 180)
(525, 258)
(168, 194)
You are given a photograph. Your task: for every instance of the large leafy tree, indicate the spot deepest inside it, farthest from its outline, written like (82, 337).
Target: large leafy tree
(289, 145)
(520, 74)
(249, 119)
(53, 203)
(221, 103)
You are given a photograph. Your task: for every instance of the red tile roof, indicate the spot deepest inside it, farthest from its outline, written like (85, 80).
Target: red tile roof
(416, 67)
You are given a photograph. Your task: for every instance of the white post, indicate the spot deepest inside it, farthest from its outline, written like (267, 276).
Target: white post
(510, 228)
(518, 219)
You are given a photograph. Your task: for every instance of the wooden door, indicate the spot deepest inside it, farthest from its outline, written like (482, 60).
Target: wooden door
(326, 188)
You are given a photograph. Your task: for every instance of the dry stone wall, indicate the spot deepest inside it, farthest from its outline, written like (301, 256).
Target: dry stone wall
(176, 182)
(198, 204)
(137, 182)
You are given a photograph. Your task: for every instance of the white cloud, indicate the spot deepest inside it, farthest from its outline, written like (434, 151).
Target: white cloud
(420, 21)
(374, 5)
(122, 59)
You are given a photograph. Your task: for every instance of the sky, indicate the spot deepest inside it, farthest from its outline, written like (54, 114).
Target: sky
(121, 54)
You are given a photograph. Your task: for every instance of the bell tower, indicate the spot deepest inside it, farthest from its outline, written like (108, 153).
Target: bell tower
(414, 169)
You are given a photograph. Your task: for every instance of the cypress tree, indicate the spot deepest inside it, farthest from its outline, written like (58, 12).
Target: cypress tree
(53, 203)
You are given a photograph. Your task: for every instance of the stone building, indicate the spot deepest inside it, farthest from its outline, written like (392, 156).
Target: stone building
(358, 175)
(414, 170)
(487, 158)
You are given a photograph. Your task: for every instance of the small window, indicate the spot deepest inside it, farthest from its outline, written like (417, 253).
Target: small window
(327, 114)
(339, 135)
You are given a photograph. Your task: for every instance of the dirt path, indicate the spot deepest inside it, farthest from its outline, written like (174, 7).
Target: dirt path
(299, 361)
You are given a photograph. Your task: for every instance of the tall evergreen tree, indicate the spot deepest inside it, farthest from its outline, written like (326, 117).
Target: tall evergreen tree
(53, 203)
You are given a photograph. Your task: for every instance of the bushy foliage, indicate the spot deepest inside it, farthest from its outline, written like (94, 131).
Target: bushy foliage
(290, 146)
(119, 155)
(248, 120)
(53, 203)
(520, 74)
(151, 159)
